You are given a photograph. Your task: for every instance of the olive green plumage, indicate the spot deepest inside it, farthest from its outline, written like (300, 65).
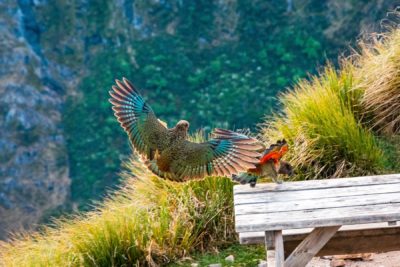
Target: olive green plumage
(168, 153)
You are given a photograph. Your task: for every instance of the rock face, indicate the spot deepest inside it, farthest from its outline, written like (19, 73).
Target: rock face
(44, 50)
(33, 160)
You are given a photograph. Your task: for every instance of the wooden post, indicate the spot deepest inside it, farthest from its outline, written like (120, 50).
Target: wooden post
(270, 248)
(279, 250)
(274, 247)
(310, 246)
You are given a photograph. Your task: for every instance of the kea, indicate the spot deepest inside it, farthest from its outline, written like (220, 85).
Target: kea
(168, 153)
(270, 165)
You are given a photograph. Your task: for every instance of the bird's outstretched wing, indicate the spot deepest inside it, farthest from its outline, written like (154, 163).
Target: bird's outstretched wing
(136, 117)
(226, 154)
(275, 152)
(270, 164)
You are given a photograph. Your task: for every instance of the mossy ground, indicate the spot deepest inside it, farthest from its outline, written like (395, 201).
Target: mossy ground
(243, 256)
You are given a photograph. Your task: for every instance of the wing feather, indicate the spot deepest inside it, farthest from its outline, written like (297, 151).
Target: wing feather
(226, 154)
(137, 118)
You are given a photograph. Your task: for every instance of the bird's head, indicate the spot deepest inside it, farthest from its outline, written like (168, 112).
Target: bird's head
(182, 128)
(285, 168)
(183, 125)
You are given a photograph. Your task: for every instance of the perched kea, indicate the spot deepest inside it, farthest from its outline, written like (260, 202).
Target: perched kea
(168, 153)
(270, 165)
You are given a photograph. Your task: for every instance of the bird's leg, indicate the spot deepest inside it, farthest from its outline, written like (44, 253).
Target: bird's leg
(277, 180)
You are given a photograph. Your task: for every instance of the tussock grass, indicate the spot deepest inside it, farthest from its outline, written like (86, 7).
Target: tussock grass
(333, 120)
(378, 76)
(318, 121)
(149, 222)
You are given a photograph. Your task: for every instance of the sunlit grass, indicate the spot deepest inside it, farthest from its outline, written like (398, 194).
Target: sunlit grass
(319, 119)
(333, 121)
(150, 221)
(379, 76)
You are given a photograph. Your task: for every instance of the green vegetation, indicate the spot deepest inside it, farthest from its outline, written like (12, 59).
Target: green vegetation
(214, 69)
(96, 143)
(243, 255)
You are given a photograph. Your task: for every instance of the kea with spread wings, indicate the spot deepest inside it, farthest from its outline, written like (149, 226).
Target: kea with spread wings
(167, 151)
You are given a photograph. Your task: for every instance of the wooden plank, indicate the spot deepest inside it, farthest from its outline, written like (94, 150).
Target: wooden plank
(354, 241)
(317, 194)
(296, 205)
(348, 241)
(318, 184)
(279, 249)
(310, 246)
(319, 217)
(249, 238)
(327, 214)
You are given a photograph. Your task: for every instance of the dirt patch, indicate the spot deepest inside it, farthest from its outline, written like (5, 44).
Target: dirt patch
(389, 259)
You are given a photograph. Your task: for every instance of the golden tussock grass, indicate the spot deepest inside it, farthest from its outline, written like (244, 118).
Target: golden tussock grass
(150, 221)
(378, 75)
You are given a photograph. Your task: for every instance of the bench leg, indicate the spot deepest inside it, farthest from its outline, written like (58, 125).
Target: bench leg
(274, 247)
(310, 246)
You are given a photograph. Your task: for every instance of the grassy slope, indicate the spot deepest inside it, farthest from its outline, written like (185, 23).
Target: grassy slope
(328, 122)
(150, 220)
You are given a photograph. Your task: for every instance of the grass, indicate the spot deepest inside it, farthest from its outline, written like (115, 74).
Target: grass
(378, 76)
(318, 120)
(150, 221)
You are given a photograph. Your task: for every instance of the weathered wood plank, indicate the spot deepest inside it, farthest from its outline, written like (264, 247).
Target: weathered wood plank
(332, 213)
(310, 246)
(289, 234)
(316, 194)
(319, 184)
(318, 217)
(375, 241)
(381, 238)
(326, 203)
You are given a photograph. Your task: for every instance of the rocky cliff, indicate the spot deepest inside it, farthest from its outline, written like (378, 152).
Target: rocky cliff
(49, 47)
(33, 159)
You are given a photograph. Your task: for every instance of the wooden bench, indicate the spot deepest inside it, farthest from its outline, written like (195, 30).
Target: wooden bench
(300, 220)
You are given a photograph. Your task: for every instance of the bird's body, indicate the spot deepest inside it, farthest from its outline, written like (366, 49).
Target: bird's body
(168, 152)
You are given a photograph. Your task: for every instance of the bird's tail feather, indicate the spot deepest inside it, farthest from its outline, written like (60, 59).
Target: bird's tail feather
(245, 178)
(152, 165)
